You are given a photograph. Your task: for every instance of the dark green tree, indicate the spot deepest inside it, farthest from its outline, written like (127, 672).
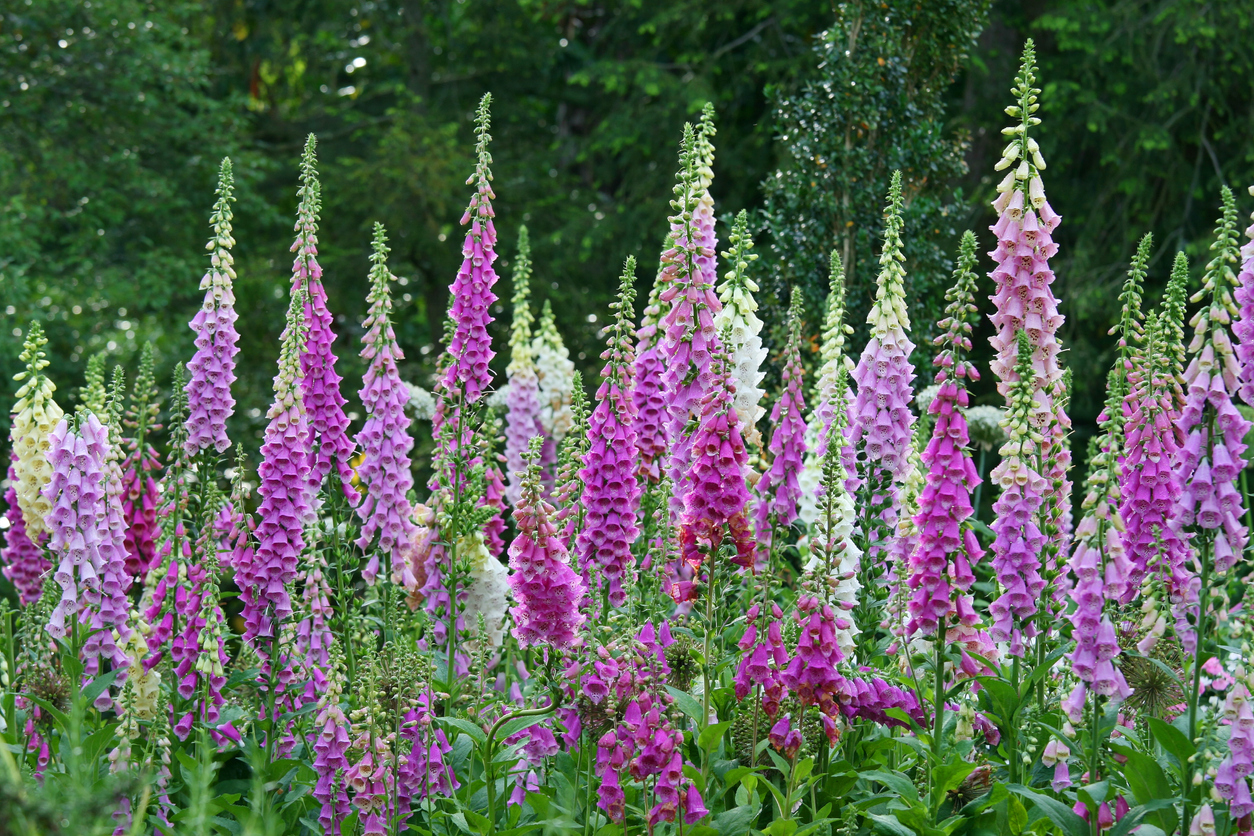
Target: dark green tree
(875, 104)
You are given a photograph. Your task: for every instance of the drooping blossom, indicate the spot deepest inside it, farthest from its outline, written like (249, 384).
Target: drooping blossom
(1232, 776)
(34, 415)
(812, 673)
(329, 444)
(212, 368)
(486, 595)
(372, 775)
(1210, 462)
(425, 772)
(89, 550)
(547, 590)
(142, 465)
(715, 507)
(1243, 329)
(826, 405)
(384, 439)
(1016, 527)
(283, 484)
(941, 567)
(740, 319)
(778, 491)
(1025, 302)
(611, 497)
(522, 418)
(689, 336)
(23, 561)
(881, 420)
(555, 372)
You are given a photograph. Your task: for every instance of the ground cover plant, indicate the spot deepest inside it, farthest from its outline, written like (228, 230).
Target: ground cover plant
(676, 605)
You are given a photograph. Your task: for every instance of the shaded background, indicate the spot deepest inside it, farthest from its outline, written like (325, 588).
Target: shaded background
(114, 115)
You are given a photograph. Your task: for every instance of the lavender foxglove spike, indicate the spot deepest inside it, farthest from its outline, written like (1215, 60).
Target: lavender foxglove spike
(329, 444)
(611, 495)
(652, 410)
(23, 560)
(881, 421)
(522, 418)
(212, 368)
(1024, 300)
(384, 440)
(547, 589)
(1018, 540)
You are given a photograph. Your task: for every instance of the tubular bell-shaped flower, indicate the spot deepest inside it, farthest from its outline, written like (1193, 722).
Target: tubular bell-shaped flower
(283, 479)
(329, 444)
(34, 415)
(212, 368)
(384, 439)
(715, 505)
(778, 489)
(522, 417)
(547, 589)
(1025, 303)
(690, 338)
(941, 568)
(740, 319)
(826, 406)
(611, 496)
(1017, 533)
(881, 420)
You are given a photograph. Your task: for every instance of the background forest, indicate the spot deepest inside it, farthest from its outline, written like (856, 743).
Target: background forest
(114, 115)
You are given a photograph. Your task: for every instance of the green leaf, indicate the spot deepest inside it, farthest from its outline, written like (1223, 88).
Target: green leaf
(98, 684)
(950, 776)
(736, 821)
(1002, 695)
(512, 727)
(781, 827)
(1060, 814)
(472, 730)
(1159, 807)
(1016, 815)
(688, 705)
(710, 736)
(1149, 783)
(895, 781)
(1096, 793)
(1172, 740)
(889, 825)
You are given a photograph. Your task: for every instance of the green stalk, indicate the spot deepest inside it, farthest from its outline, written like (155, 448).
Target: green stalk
(1195, 691)
(489, 751)
(938, 742)
(1094, 772)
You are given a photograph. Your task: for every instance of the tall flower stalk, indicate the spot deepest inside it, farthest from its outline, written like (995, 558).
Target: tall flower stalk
(522, 417)
(329, 444)
(35, 414)
(611, 495)
(212, 368)
(384, 439)
(740, 319)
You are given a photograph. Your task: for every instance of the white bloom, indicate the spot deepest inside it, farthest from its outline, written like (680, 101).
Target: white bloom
(488, 593)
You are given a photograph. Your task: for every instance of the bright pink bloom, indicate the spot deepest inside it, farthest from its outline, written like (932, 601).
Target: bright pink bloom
(1243, 329)
(24, 562)
(778, 489)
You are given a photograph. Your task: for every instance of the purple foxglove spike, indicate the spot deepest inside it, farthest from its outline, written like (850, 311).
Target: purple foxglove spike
(940, 568)
(384, 440)
(1243, 330)
(23, 561)
(652, 410)
(263, 575)
(212, 368)
(547, 590)
(329, 443)
(611, 495)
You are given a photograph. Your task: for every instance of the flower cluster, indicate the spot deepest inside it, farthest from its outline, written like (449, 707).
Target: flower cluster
(34, 415)
(778, 490)
(23, 560)
(739, 319)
